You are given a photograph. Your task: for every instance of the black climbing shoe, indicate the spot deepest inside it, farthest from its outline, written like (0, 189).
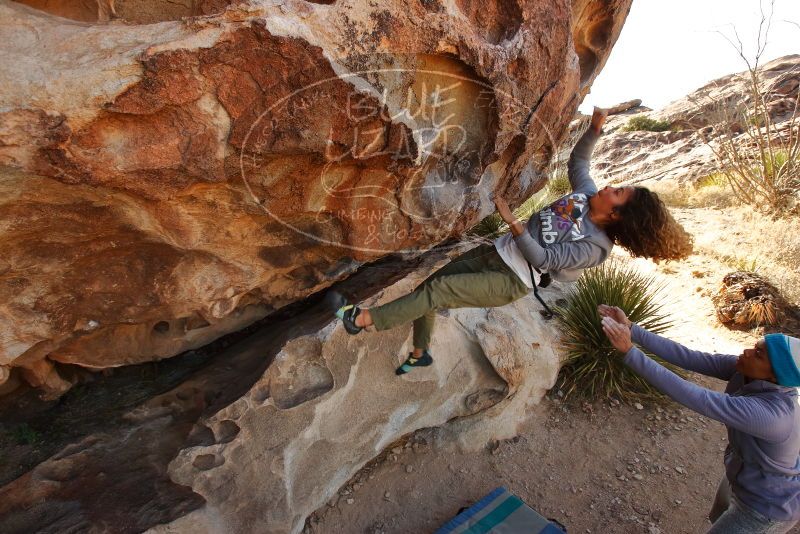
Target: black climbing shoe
(348, 314)
(344, 311)
(411, 362)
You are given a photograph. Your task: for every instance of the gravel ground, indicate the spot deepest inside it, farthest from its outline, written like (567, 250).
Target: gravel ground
(602, 467)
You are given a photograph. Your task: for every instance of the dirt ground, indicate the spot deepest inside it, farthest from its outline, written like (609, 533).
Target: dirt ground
(596, 468)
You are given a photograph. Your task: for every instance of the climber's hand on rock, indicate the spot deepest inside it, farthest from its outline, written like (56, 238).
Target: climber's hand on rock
(504, 210)
(618, 334)
(615, 312)
(599, 118)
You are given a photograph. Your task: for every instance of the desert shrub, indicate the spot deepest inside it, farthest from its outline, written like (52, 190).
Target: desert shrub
(713, 190)
(645, 123)
(558, 185)
(740, 263)
(715, 179)
(532, 205)
(491, 226)
(593, 367)
(778, 160)
(673, 194)
(759, 154)
(708, 191)
(766, 177)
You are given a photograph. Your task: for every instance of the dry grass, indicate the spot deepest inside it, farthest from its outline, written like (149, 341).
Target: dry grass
(762, 313)
(744, 239)
(708, 191)
(748, 300)
(493, 225)
(735, 234)
(740, 263)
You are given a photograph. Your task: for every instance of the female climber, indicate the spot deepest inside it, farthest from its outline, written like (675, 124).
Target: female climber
(575, 232)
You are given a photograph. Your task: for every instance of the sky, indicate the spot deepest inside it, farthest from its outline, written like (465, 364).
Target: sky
(667, 49)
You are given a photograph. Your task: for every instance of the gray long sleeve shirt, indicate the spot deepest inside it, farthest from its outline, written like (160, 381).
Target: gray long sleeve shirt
(561, 238)
(762, 460)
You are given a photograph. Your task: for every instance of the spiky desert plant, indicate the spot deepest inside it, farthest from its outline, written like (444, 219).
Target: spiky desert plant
(593, 367)
(491, 226)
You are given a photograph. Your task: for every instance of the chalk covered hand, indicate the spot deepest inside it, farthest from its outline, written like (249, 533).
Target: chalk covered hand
(504, 210)
(615, 312)
(599, 118)
(618, 334)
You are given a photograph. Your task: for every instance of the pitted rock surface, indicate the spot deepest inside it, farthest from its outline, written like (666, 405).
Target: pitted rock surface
(172, 172)
(272, 425)
(330, 402)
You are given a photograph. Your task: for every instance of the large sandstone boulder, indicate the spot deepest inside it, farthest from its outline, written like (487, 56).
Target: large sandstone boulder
(164, 183)
(251, 447)
(331, 402)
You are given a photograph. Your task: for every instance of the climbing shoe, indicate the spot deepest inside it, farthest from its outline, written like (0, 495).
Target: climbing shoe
(348, 314)
(344, 311)
(411, 362)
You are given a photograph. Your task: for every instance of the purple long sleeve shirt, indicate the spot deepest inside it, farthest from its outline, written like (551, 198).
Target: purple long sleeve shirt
(762, 460)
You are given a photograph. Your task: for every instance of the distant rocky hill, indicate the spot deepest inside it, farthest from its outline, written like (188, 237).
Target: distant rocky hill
(681, 154)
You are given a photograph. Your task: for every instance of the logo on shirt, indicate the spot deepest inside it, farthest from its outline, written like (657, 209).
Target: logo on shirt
(565, 214)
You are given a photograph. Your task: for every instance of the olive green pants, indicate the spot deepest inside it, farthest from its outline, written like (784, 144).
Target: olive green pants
(478, 278)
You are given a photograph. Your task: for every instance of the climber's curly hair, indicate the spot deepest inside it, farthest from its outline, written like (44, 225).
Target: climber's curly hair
(647, 229)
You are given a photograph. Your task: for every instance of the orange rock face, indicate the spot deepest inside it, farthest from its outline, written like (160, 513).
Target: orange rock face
(164, 184)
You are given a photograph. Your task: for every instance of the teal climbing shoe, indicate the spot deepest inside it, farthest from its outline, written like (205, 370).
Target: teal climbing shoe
(423, 361)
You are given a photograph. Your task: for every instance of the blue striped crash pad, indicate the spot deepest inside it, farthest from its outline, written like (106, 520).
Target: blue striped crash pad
(500, 512)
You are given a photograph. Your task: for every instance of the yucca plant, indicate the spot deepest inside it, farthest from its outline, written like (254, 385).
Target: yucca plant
(491, 226)
(593, 367)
